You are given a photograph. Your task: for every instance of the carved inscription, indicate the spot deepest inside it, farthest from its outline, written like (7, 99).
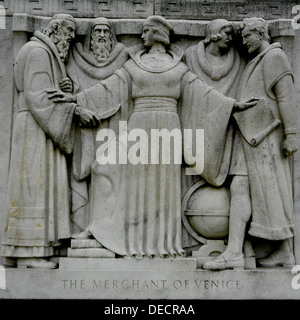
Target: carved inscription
(140, 284)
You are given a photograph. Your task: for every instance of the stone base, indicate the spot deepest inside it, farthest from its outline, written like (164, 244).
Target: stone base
(88, 248)
(146, 264)
(250, 263)
(149, 284)
(213, 248)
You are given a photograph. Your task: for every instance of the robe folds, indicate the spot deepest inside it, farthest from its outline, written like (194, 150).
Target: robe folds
(268, 170)
(225, 77)
(136, 208)
(38, 209)
(85, 72)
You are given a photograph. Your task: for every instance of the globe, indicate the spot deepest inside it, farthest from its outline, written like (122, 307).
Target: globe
(207, 211)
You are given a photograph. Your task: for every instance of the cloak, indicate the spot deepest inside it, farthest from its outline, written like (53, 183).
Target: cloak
(38, 209)
(269, 172)
(85, 72)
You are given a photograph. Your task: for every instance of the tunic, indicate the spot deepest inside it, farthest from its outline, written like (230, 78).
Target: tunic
(269, 172)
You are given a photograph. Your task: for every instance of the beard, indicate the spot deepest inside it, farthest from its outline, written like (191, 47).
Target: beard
(63, 45)
(254, 46)
(101, 47)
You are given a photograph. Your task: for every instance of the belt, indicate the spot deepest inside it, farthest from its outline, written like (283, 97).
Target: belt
(155, 104)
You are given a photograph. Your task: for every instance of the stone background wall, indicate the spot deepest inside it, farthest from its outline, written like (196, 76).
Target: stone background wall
(23, 17)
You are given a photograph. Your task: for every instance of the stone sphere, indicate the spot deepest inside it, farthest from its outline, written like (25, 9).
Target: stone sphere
(208, 212)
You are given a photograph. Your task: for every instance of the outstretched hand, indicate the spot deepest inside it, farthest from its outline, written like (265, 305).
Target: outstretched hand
(60, 96)
(240, 106)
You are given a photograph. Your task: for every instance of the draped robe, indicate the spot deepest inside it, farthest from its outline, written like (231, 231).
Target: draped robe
(136, 209)
(85, 72)
(38, 209)
(269, 171)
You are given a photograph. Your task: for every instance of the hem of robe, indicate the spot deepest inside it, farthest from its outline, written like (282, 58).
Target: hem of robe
(260, 231)
(26, 252)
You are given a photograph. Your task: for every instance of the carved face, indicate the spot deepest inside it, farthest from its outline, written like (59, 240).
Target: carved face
(226, 39)
(148, 36)
(101, 43)
(63, 34)
(251, 39)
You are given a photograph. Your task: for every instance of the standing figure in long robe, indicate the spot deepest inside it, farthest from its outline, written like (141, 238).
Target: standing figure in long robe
(38, 208)
(96, 59)
(136, 202)
(219, 64)
(267, 137)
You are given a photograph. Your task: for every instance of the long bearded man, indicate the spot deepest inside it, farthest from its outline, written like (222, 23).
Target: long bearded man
(97, 58)
(38, 209)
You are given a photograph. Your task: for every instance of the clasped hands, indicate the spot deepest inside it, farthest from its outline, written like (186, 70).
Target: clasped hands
(87, 118)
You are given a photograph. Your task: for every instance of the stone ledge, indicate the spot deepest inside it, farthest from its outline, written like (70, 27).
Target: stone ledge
(154, 284)
(90, 253)
(187, 9)
(188, 264)
(29, 23)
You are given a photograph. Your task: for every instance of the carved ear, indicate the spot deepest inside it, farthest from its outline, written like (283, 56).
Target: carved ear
(214, 37)
(261, 35)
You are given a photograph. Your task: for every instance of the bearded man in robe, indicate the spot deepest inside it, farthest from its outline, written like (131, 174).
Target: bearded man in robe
(96, 59)
(38, 208)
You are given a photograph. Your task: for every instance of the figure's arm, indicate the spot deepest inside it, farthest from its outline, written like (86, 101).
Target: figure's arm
(285, 94)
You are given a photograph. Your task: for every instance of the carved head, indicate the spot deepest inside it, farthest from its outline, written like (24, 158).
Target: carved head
(61, 30)
(254, 31)
(156, 29)
(219, 31)
(101, 39)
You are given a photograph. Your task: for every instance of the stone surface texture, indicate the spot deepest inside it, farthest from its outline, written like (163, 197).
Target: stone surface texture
(143, 231)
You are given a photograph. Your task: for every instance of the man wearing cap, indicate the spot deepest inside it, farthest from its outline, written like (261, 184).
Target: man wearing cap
(97, 58)
(38, 209)
(136, 207)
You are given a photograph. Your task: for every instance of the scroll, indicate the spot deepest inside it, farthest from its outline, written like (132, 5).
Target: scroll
(257, 122)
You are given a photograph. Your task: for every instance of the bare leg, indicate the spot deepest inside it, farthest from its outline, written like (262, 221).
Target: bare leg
(240, 213)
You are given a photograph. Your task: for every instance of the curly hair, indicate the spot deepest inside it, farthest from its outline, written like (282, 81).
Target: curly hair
(258, 25)
(214, 28)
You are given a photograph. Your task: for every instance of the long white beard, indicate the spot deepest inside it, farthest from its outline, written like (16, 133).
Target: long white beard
(101, 50)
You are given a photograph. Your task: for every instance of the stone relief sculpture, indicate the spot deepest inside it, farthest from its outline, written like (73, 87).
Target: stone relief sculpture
(97, 58)
(219, 64)
(267, 139)
(136, 208)
(38, 217)
(133, 206)
(215, 60)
